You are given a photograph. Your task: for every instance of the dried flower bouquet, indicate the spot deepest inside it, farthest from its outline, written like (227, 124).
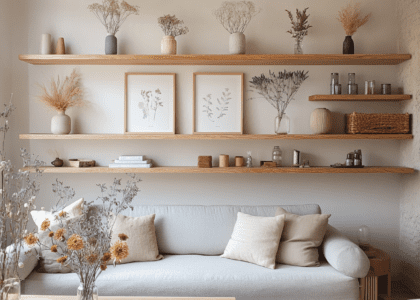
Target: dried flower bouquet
(17, 197)
(300, 27)
(85, 245)
(172, 26)
(236, 15)
(279, 90)
(113, 13)
(351, 18)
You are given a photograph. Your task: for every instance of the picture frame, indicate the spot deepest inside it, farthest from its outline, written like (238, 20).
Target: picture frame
(218, 103)
(150, 103)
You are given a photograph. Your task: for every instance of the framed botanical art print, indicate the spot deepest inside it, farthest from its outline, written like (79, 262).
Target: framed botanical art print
(150, 103)
(218, 103)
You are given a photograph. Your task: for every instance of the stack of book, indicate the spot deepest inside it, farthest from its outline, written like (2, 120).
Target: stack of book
(129, 161)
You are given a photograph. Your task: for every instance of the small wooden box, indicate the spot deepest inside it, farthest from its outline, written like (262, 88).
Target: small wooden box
(205, 162)
(81, 163)
(268, 164)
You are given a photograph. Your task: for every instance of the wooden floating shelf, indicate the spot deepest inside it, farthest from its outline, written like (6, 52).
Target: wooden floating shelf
(359, 97)
(210, 59)
(232, 170)
(40, 136)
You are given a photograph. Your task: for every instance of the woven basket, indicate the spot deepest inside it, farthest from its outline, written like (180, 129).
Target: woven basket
(378, 123)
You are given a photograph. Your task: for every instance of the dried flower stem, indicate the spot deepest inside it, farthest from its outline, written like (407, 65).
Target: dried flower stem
(236, 15)
(351, 18)
(172, 26)
(300, 26)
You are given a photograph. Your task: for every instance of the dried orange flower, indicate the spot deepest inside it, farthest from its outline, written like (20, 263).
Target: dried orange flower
(119, 250)
(106, 257)
(62, 214)
(92, 258)
(123, 237)
(54, 248)
(75, 242)
(62, 259)
(51, 234)
(45, 225)
(30, 239)
(59, 234)
(103, 267)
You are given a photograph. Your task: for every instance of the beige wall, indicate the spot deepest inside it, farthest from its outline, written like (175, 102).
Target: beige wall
(352, 200)
(409, 40)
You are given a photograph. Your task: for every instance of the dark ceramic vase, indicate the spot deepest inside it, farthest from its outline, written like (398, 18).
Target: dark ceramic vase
(348, 45)
(111, 45)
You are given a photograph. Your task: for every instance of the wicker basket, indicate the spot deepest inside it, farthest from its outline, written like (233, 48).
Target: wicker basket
(378, 123)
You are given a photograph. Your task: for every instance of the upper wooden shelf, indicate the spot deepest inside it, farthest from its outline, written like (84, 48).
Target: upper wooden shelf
(216, 137)
(231, 170)
(266, 59)
(359, 97)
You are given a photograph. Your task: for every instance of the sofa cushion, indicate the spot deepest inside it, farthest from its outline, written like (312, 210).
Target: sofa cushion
(302, 235)
(206, 276)
(255, 240)
(203, 230)
(141, 241)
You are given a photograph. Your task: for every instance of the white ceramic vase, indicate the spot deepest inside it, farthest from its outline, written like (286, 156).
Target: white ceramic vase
(168, 45)
(237, 43)
(46, 44)
(61, 124)
(321, 121)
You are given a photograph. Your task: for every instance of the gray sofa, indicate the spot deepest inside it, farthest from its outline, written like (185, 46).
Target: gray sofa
(192, 238)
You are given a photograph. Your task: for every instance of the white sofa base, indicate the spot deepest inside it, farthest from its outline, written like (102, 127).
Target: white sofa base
(206, 276)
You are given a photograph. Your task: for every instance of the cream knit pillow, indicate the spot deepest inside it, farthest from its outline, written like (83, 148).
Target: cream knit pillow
(142, 242)
(302, 235)
(255, 240)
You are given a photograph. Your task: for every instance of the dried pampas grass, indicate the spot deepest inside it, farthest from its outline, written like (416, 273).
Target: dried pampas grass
(351, 18)
(63, 95)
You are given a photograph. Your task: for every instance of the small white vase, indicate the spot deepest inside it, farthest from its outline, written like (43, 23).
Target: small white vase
(237, 43)
(321, 121)
(61, 124)
(45, 44)
(168, 45)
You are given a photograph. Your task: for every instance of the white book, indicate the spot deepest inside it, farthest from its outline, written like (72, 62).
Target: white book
(130, 165)
(132, 157)
(119, 161)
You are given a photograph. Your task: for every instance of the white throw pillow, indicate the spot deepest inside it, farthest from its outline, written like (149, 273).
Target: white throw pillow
(142, 242)
(255, 240)
(27, 256)
(48, 260)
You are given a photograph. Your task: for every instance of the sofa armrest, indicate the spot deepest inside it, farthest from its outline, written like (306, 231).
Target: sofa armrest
(344, 255)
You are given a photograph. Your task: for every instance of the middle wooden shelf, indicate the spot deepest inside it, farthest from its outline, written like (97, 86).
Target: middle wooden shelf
(41, 136)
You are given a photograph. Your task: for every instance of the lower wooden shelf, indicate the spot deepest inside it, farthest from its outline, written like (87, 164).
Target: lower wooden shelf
(232, 170)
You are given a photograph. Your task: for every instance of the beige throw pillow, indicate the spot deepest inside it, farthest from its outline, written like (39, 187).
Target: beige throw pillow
(255, 240)
(142, 242)
(48, 260)
(302, 235)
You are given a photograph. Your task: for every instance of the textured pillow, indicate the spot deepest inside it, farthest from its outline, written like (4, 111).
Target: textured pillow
(27, 256)
(300, 239)
(255, 240)
(48, 260)
(142, 242)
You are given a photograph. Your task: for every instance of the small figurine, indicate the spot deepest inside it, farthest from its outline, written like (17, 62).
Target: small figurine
(58, 163)
(249, 160)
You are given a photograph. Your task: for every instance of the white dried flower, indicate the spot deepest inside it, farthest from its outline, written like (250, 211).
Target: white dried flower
(26, 205)
(21, 265)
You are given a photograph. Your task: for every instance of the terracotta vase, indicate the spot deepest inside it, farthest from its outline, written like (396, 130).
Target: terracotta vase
(168, 45)
(61, 47)
(321, 121)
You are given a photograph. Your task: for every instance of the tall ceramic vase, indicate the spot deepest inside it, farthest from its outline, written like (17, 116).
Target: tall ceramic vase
(168, 45)
(321, 121)
(348, 45)
(237, 43)
(61, 124)
(111, 45)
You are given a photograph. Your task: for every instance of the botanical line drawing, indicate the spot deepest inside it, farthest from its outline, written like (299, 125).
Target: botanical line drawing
(150, 104)
(217, 109)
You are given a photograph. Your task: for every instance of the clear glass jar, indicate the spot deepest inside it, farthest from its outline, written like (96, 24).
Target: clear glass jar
(87, 293)
(11, 289)
(364, 237)
(277, 156)
(352, 78)
(282, 124)
(298, 46)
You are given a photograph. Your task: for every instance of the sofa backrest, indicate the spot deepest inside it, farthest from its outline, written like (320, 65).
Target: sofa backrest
(204, 230)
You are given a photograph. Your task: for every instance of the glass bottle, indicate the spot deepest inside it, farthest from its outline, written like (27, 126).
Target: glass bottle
(364, 237)
(11, 289)
(282, 124)
(87, 293)
(298, 46)
(277, 158)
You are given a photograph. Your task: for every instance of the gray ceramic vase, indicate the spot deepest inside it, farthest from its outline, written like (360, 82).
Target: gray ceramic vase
(111, 45)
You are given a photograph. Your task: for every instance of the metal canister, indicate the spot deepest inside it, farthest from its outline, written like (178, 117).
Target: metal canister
(386, 89)
(296, 158)
(359, 152)
(356, 160)
(349, 160)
